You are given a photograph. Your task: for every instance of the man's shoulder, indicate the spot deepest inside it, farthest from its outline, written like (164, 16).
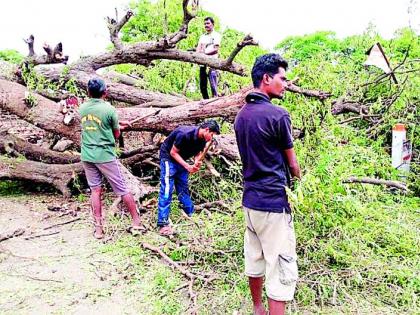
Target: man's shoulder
(99, 103)
(181, 130)
(185, 129)
(279, 110)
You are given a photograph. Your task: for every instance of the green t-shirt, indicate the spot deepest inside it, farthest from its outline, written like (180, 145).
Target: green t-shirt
(98, 119)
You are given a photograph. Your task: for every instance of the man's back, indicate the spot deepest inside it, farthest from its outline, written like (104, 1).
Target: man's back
(263, 131)
(98, 120)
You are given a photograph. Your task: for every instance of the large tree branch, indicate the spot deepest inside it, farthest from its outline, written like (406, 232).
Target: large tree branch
(144, 53)
(115, 27)
(116, 91)
(171, 40)
(247, 41)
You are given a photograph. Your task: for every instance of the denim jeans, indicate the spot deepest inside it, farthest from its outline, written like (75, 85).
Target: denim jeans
(173, 175)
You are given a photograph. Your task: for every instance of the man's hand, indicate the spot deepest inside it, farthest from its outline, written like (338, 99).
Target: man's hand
(198, 162)
(124, 124)
(192, 168)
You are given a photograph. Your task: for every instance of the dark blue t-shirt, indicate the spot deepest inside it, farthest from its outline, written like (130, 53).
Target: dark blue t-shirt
(263, 131)
(186, 139)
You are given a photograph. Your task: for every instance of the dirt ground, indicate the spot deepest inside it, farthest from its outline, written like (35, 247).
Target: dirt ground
(65, 272)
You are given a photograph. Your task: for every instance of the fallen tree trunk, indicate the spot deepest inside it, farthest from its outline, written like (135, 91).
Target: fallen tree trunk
(59, 176)
(46, 114)
(15, 146)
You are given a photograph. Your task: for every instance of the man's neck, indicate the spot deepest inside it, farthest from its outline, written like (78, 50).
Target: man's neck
(261, 91)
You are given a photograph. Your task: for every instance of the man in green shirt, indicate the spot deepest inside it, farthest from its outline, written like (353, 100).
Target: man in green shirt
(100, 128)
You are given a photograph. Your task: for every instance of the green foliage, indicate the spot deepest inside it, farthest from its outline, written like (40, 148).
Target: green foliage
(11, 55)
(10, 188)
(36, 82)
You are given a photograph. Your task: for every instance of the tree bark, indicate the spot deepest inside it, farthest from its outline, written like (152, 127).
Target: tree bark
(46, 114)
(58, 175)
(15, 146)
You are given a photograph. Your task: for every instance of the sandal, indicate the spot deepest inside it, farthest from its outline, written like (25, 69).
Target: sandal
(136, 230)
(166, 231)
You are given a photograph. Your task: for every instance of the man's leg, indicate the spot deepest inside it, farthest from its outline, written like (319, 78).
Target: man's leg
(254, 263)
(256, 286)
(279, 246)
(94, 179)
(165, 192)
(96, 203)
(132, 207)
(276, 307)
(203, 82)
(112, 172)
(182, 190)
(213, 82)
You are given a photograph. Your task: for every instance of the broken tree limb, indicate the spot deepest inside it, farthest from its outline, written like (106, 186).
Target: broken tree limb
(46, 114)
(247, 41)
(174, 264)
(15, 233)
(211, 204)
(60, 176)
(115, 26)
(30, 237)
(53, 55)
(342, 106)
(62, 223)
(117, 89)
(374, 181)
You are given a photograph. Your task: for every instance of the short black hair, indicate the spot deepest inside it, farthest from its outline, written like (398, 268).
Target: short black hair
(96, 87)
(212, 125)
(209, 18)
(270, 64)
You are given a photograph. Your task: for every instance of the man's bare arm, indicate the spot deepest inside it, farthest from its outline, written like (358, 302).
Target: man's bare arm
(200, 48)
(214, 51)
(116, 133)
(292, 162)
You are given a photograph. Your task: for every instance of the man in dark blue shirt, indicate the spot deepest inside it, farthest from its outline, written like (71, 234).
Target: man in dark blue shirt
(182, 144)
(264, 136)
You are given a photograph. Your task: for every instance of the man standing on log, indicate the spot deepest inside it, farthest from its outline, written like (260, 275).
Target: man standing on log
(100, 128)
(264, 136)
(182, 144)
(209, 44)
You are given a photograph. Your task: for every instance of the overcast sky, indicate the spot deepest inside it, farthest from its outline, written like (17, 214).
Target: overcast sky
(80, 25)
